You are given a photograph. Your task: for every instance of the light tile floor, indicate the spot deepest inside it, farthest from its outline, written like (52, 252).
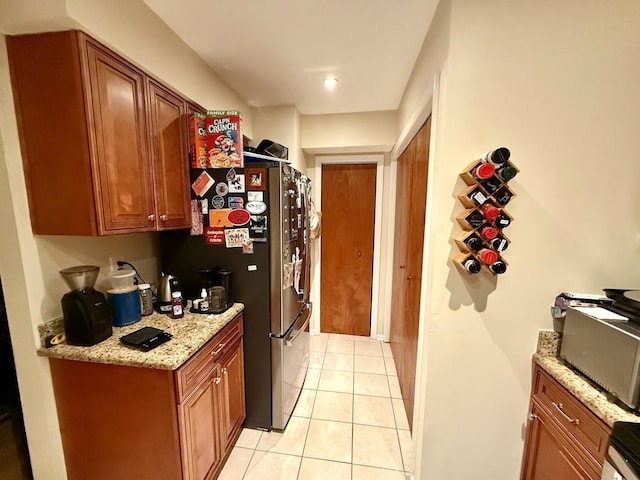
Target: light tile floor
(349, 423)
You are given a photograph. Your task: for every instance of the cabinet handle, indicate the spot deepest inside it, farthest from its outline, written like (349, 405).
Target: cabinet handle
(359, 253)
(163, 218)
(220, 347)
(216, 380)
(559, 407)
(151, 217)
(401, 266)
(532, 417)
(224, 370)
(410, 277)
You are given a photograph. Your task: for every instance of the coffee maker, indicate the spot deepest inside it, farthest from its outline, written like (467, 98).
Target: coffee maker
(87, 315)
(215, 288)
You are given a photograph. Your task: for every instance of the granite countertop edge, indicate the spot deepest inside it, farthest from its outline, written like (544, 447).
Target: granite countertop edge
(190, 333)
(591, 397)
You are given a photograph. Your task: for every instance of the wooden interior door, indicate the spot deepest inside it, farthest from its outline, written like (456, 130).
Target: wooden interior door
(169, 150)
(411, 195)
(348, 216)
(124, 183)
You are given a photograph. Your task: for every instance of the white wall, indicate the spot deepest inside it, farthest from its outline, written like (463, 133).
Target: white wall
(556, 82)
(29, 265)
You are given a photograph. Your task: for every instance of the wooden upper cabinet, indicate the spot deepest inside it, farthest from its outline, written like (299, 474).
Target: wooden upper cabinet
(103, 145)
(169, 151)
(123, 178)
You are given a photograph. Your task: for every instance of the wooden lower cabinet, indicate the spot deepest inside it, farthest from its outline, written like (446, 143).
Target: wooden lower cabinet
(564, 439)
(142, 423)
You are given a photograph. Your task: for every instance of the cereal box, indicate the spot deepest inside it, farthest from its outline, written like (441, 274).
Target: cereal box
(224, 139)
(197, 141)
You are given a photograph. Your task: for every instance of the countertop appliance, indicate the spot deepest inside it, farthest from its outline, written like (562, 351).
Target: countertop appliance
(271, 280)
(603, 343)
(622, 461)
(87, 316)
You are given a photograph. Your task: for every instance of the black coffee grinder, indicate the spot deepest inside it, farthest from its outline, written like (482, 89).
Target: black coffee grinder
(87, 314)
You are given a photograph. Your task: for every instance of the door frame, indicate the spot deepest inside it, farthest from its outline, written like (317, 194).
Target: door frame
(378, 160)
(428, 105)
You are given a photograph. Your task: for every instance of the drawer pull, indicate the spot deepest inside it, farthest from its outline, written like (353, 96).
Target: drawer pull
(220, 347)
(216, 380)
(559, 407)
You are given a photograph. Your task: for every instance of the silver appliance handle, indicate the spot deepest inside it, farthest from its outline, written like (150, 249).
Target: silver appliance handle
(289, 342)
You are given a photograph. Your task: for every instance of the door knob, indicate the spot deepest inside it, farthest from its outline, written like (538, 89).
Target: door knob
(401, 266)
(224, 370)
(163, 218)
(151, 217)
(216, 380)
(410, 277)
(359, 253)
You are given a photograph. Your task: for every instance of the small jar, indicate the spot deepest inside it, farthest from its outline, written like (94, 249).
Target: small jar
(146, 299)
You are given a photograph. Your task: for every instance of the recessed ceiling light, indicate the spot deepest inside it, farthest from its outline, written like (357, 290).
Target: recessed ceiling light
(330, 83)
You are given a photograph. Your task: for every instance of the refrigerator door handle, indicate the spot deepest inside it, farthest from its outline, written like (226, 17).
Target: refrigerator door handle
(289, 341)
(307, 306)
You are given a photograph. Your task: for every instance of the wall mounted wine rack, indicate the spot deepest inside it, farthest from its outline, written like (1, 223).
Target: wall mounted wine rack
(482, 241)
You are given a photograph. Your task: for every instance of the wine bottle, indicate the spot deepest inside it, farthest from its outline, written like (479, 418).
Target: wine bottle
(469, 241)
(498, 267)
(492, 184)
(475, 219)
(498, 156)
(488, 232)
(490, 212)
(502, 221)
(473, 196)
(503, 196)
(478, 196)
(471, 265)
(499, 244)
(484, 171)
(507, 172)
(488, 256)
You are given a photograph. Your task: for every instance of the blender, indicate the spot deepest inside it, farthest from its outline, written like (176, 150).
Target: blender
(87, 315)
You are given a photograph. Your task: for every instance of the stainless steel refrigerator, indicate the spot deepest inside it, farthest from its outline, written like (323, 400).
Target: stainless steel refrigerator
(272, 279)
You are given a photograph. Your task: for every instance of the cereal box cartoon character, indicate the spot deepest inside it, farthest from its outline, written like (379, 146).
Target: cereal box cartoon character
(224, 139)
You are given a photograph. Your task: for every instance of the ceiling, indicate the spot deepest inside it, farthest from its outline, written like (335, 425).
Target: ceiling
(278, 52)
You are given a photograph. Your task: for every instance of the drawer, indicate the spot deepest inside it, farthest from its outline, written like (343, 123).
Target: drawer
(201, 364)
(579, 422)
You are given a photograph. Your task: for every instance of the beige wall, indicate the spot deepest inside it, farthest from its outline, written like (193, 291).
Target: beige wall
(281, 125)
(349, 132)
(29, 265)
(557, 83)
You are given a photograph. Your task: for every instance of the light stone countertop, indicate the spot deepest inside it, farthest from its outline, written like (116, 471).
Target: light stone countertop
(592, 397)
(190, 333)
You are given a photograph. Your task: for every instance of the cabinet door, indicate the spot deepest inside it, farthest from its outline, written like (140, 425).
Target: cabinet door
(201, 449)
(123, 180)
(549, 455)
(232, 392)
(169, 151)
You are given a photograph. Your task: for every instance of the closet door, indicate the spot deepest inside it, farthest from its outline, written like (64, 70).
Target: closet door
(411, 194)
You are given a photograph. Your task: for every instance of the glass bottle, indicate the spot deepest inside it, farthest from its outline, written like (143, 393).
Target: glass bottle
(177, 310)
(498, 156)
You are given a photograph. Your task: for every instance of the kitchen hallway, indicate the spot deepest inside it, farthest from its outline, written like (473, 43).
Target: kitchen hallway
(349, 423)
